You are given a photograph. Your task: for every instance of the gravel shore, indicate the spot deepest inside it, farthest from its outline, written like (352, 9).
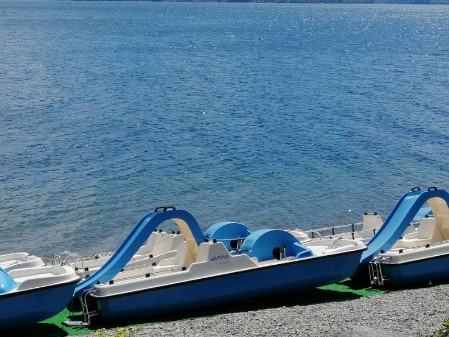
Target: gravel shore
(412, 312)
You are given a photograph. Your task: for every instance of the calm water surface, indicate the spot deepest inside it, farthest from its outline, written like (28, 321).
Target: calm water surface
(275, 115)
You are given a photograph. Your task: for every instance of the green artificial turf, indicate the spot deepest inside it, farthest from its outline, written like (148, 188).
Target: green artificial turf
(347, 287)
(64, 316)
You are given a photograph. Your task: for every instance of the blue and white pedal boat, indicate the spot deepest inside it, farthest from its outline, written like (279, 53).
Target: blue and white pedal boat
(400, 257)
(205, 273)
(405, 267)
(30, 295)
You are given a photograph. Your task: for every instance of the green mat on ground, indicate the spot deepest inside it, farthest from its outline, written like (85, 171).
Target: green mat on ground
(62, 317)
(53, 327)
(345, 287)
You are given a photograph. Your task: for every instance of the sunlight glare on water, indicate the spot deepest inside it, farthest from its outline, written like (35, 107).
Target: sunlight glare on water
(274, 115)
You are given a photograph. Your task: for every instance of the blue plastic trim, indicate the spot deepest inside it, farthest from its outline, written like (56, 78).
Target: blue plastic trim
(227, 231)
(261, 243)
(7, 283)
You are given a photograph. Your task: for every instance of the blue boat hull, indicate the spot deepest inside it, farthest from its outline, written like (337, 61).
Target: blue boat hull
(297, 275)
(28, 307)
(425, 271)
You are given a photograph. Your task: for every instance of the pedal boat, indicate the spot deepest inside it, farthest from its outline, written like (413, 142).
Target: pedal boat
(416, 257)
(205, 273)
(30, 295)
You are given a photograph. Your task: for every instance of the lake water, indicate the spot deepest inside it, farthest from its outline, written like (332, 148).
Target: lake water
(275, 115)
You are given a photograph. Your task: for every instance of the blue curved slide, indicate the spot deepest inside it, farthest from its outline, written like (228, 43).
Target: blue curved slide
(186, 222)
(405, 210)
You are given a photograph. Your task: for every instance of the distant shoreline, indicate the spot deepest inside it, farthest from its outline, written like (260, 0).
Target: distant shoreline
(349, 2)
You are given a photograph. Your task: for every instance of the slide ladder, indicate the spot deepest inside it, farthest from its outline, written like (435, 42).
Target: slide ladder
(186, 222)
(398, 220)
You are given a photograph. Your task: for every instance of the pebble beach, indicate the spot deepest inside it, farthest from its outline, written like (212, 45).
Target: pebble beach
(412, 312)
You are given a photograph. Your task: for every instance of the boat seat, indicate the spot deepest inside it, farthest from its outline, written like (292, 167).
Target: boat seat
(370, 225)
(425, 229)
(157, 243)
(149, 245)
(30, 278)
(180, 257)
(164, 244)
(422, 236)
(409, 230)
(19, 260)
(331, 246)
(339, 249)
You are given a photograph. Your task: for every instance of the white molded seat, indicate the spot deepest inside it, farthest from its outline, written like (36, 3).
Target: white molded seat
(182, 257)
(371, 224)
(422, 236)
(424, 231)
